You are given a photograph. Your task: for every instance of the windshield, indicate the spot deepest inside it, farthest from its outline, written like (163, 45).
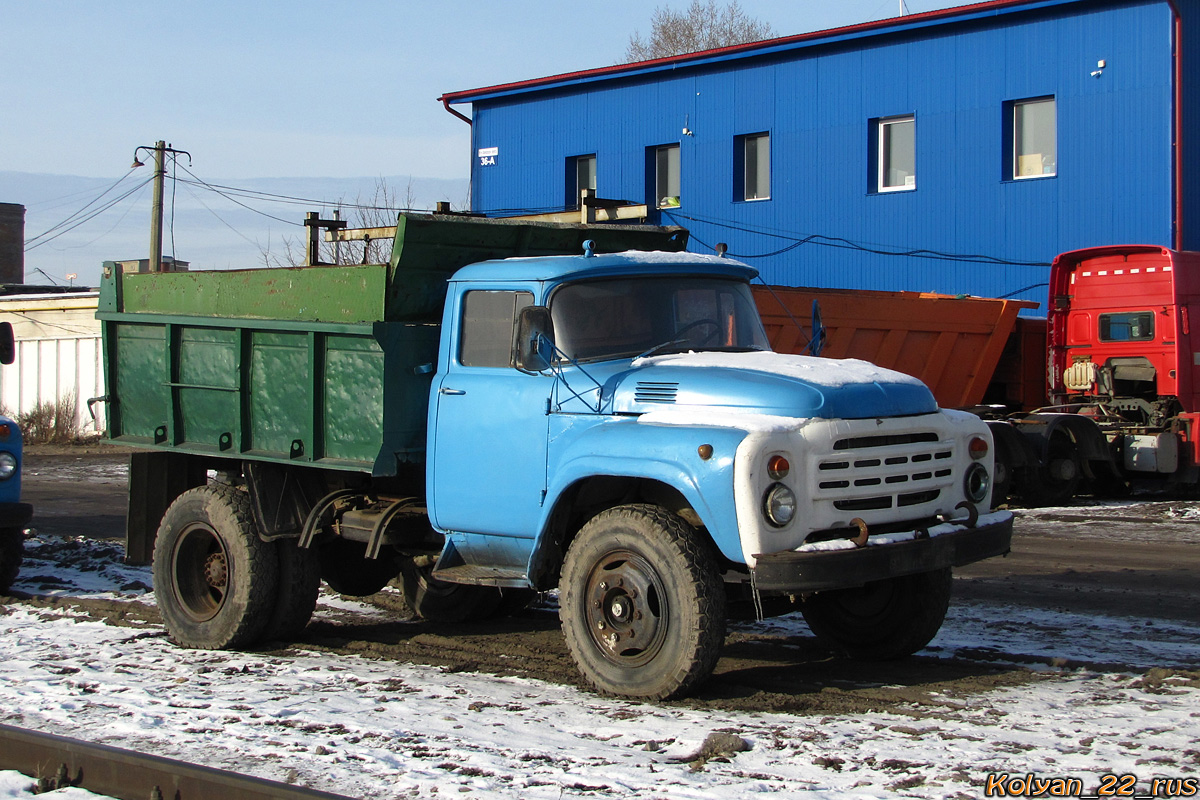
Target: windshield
(627, 317)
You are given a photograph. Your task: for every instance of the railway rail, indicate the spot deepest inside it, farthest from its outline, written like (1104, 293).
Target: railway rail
(58, 761)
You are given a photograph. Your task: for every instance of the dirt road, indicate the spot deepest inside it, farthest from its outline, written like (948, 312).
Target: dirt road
(1136, 560)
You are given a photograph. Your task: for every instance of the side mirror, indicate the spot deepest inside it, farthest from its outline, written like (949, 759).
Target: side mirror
(534, 345)
(8, 345)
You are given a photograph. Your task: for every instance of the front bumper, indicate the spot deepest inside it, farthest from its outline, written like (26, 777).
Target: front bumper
(840, 564)
(15, 515)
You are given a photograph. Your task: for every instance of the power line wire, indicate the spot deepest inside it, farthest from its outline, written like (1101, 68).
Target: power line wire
(849, 244)
(86, 206)
(45, 238)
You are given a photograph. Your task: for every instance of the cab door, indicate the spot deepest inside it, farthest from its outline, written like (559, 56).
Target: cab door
(487, 457)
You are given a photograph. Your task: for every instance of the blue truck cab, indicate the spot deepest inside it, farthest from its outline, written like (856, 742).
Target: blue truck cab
(14, 514)
(616, 426)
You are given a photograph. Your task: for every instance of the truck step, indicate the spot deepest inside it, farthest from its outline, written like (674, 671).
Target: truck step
(512, 577)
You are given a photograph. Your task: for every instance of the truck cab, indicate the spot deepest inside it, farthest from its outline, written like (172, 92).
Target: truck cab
(1122, 351)
(631, 388)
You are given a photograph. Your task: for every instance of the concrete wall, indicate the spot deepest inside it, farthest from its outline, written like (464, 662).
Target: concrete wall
(12, 243)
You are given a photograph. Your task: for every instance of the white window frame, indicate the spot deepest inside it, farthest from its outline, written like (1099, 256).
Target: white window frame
(882, 135)
(661, 195)
(1015, 129)
(576, 163)
(760, 170)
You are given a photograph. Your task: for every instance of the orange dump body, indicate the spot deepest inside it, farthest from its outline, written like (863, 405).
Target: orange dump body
(955, 345)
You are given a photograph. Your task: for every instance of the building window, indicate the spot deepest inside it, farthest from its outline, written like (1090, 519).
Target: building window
(666, 176)
(581, 174)
(1034, 126)
(752, 167)
(896, 154)
(489, 325)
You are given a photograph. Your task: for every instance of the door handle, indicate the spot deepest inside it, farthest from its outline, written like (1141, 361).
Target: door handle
(447, 390)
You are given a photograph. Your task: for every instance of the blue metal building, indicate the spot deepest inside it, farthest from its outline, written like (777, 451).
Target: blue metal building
(956, 151)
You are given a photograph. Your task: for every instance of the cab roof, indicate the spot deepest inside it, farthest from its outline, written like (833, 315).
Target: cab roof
(560, 268)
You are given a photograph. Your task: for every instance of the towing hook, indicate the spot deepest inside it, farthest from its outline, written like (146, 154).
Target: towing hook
(972, 513)
(861, 539)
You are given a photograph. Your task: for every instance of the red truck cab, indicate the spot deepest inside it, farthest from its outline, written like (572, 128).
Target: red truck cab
(1124, 342)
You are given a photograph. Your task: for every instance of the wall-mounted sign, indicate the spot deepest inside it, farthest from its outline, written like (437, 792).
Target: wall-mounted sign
(487, 156)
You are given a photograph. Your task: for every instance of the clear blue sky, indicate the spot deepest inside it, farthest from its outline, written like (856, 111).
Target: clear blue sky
(302, 89)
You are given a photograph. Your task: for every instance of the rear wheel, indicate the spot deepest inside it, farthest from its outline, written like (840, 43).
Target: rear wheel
(214, 579)
(883, 620)
(12, 551)
(1060, 476)
(642, 604)
(299, 585)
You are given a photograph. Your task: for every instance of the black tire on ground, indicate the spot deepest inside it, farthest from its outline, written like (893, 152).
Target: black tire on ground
(1059, 478)
(347, 570)
(642, 604)
(883, 620)
(214, 579)
(299, 585)
(440, 601)
(12, 551)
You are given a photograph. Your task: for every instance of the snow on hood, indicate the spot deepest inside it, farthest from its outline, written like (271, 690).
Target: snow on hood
(772, 384)
(826, 372)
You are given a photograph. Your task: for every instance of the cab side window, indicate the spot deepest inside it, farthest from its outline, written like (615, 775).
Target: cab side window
(489, 324)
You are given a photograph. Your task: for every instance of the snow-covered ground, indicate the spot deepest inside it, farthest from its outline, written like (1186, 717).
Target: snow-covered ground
(369, 728)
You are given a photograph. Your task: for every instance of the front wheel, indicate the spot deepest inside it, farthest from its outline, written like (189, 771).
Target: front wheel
(883, 620)
(642, 604)
(215, 581)
(12, 551)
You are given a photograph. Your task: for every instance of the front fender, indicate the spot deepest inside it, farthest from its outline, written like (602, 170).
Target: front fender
(586, 446)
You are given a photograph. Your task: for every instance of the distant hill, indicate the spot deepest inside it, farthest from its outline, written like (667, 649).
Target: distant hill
(214, 228)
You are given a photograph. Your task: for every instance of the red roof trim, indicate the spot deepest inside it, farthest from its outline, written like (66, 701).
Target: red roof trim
(784, 41)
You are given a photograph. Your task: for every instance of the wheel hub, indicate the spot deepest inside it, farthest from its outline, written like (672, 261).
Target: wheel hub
(625, 614)
(216, 570)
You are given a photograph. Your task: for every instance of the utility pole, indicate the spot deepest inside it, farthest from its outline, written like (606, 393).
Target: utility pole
(160, 149)
(156, 208)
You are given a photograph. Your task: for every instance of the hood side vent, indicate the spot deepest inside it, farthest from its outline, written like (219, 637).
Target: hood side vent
(655, 392)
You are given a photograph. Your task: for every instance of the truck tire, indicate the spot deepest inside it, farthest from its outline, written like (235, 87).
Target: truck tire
(883, 620)
(441, 601)
(346, 568)
(642, 575)
(299, 585)
(1058, 479)
(12, 551)
(214, 579)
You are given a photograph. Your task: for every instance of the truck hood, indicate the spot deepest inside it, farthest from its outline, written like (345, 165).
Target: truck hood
(764, 382)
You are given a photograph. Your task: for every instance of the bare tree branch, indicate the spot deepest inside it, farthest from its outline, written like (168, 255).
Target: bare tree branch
(703, 26)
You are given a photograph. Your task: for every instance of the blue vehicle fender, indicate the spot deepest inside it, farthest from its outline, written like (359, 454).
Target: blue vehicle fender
(696, 461)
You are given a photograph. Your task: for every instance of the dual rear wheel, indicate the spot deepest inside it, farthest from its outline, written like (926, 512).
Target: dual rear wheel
(220, 586)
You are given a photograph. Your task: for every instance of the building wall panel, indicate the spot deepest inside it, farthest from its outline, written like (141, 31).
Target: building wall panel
(1114, 182)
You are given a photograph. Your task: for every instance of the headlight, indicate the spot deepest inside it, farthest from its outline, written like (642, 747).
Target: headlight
(779, 505)
(976, 483)
(8, 465)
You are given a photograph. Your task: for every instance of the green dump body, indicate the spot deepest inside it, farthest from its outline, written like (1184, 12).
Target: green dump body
(325, 365)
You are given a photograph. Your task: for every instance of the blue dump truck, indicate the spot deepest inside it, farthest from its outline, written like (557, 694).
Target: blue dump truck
(513, 407)
(14, 515)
